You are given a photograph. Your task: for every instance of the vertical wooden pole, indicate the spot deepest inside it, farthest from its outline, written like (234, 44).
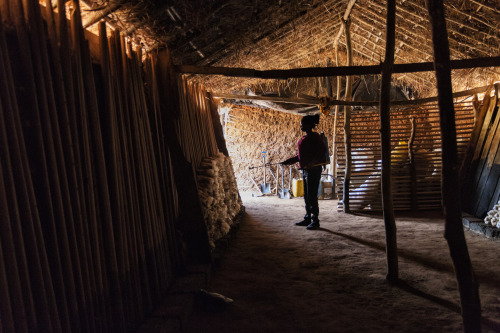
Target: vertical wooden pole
(22, 305)
(347, 13)
(7, 323)
(106, 217)
(133, 215)
(77, 183)
(385, 138)
(96, 262)
(5, 10)
(36, 101)
(413, 169)
(347, 120)
(112, 146)
(168, 183)
(454, 233)
(218, 131)
(335, 117)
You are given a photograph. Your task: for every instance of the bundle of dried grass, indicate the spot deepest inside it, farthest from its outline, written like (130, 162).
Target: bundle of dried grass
(218, 195)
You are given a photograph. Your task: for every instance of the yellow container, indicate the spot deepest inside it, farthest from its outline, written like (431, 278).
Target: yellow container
(298, 188)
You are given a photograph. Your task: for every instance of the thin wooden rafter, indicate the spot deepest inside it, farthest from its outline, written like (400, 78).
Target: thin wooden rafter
(330, 102)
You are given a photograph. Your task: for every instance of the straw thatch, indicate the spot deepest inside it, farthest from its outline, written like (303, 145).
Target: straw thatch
(283, 34)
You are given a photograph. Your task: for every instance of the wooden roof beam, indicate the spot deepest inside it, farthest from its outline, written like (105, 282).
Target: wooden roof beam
(333, 71)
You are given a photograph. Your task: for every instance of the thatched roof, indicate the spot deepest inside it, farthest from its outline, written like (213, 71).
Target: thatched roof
(283, 34)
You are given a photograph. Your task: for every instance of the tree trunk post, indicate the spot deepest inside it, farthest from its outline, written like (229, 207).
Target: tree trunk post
(413, 170)
(385, 138)
(347, 120)
(337, 109)
(454, 233)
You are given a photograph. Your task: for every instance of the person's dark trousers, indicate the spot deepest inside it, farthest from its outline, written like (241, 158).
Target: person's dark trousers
(311, 178)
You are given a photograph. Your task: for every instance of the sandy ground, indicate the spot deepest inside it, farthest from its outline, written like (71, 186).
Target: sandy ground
(284, 278)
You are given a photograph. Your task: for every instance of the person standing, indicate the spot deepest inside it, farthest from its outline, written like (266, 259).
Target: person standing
(311, 151)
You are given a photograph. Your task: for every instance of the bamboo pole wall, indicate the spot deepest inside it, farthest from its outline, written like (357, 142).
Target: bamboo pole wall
(89, 198)
(195, 128)
(424, 162)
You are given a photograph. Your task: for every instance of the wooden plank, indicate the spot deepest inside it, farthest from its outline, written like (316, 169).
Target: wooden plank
(490, 148)
(480, 154)
(490, 174)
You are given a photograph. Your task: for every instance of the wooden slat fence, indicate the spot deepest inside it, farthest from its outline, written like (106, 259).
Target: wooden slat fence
(89, 207)
(416, 185)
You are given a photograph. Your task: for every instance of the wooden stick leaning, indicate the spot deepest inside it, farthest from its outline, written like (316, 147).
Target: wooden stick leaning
(33, 234)
(130, 194)
(19, 284)
(21, 309)
(76, 180)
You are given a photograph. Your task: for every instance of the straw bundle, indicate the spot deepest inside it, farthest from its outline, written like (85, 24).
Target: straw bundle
(218, 194)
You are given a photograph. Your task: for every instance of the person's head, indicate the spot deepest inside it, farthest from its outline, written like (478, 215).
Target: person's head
(308, 123)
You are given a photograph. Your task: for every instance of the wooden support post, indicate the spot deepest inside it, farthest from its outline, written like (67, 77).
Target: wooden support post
(347, 120)
(454, 233)
(328, 82)
(337, 109)
(385, 138)
(413, 170)
(334, 144)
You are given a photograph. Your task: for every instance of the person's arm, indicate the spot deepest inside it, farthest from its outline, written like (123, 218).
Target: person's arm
(291, 160)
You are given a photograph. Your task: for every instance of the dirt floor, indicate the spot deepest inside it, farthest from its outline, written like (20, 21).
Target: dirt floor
(284, 278)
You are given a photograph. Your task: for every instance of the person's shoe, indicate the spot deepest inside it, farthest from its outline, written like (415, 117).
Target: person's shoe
(313, 225)
(303, 223)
